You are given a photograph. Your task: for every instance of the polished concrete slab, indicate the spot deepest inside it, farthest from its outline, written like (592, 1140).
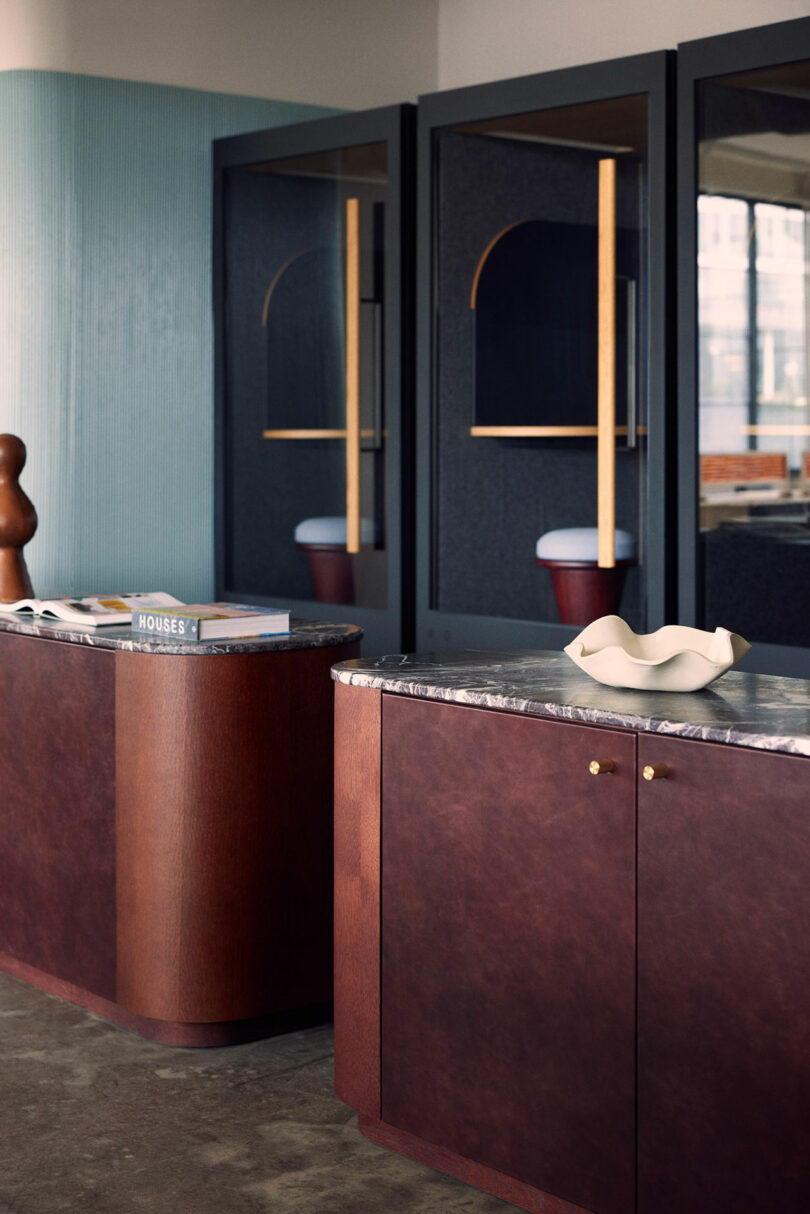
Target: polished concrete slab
(94, 1120)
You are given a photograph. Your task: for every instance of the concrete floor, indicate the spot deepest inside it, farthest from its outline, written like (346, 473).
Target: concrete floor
(94, 1120)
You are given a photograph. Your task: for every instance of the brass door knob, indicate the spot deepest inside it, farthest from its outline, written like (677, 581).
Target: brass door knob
(598, 767)
(655, 771)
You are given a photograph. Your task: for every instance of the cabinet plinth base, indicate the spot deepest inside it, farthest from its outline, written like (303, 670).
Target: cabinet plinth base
(525, 1196)
(170, 1032)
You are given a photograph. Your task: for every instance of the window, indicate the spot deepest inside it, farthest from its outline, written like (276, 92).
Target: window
(753, 294)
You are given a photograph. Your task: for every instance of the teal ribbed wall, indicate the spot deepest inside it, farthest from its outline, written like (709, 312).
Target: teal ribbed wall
(105, 322)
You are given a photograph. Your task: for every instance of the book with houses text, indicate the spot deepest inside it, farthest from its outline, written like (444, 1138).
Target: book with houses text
(209, 621)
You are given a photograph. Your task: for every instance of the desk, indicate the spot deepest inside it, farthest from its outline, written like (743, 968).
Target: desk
(166, 825)
(719, 507)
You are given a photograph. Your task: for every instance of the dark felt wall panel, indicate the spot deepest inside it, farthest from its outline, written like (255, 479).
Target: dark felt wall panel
(495, 497)
(757, 581)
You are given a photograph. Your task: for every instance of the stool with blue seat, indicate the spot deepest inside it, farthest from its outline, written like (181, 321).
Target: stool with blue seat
(583, 590)
(330, 565)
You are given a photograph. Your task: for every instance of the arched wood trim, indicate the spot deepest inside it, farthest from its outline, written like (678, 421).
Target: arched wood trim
(485, 255)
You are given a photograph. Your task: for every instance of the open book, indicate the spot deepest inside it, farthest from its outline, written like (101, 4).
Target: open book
(94, 609)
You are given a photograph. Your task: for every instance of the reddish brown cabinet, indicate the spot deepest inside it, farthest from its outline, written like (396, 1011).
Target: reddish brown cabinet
(57, 809)
(485, 945)
(724, 980)
(507, 945)
(493, 901)
(166, 855)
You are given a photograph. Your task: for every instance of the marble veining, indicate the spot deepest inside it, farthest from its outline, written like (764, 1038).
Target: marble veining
(303, 634)
(761, 711)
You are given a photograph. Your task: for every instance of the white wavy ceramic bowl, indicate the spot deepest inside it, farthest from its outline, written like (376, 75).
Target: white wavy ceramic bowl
(674, 658)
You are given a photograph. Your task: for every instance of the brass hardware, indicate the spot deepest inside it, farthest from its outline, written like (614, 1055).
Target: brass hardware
(352, 374)
(606, 367)
(655, 771)
(598, 767)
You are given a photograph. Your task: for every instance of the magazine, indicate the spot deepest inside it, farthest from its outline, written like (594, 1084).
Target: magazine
(95, 609)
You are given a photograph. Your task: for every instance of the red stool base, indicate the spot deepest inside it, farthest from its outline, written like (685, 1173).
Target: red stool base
(330, 568)
(583, 591)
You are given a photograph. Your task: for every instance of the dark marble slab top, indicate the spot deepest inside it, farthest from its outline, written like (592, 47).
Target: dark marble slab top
(756, 710)
(303, 634)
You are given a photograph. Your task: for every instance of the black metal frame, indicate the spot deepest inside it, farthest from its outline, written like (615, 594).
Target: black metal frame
(705, 58)
(651, 74)
(391, 629)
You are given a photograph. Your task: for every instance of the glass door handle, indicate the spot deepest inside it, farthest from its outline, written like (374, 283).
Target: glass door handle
(352, 374)
(606, 367)
(632, 384)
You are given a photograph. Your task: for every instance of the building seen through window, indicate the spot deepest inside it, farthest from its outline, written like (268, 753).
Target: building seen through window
(753, 293)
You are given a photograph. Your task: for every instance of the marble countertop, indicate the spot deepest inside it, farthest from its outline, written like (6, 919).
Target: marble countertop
(303, 634)
(761, 711)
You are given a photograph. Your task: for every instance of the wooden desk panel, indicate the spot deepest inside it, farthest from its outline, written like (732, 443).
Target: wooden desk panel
(57, 810)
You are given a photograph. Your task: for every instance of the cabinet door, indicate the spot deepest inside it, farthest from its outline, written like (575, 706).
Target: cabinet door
(724, 981)
(508, 925)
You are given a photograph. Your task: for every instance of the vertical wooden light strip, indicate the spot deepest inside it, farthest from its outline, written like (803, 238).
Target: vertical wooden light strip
(352, 374)
(606, 370)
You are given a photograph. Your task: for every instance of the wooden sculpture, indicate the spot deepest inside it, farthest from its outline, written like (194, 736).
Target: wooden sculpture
(18, 521)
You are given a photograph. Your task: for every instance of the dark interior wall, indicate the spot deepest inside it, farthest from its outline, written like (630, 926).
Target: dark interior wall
(756, 579)
(274, 484)
(495, 497)
(285, 367)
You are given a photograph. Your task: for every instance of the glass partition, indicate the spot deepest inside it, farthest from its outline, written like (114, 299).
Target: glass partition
(525, 369)
(311, 316)
(306, 265)
(753, 294)
(535, 383)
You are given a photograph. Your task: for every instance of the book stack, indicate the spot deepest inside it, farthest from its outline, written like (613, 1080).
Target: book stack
(209, 621)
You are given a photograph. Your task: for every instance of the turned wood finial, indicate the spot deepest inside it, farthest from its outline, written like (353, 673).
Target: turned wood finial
(18, 521)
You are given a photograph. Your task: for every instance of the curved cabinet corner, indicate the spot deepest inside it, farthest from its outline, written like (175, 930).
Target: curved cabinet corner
(223, 818)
